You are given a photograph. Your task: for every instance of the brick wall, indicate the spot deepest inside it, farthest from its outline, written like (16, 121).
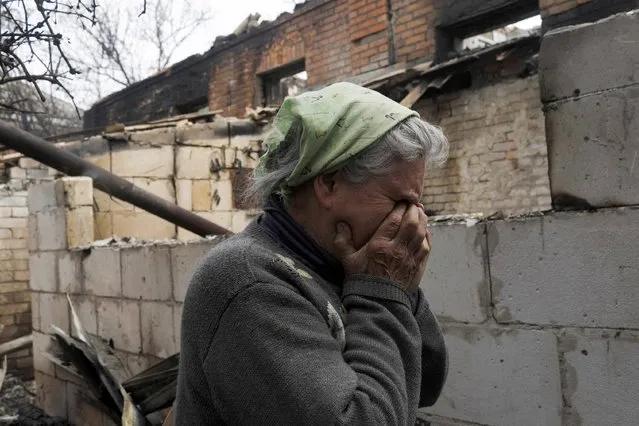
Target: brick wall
(498, 158)
(159, 96)
(337, 40)
(15, 310)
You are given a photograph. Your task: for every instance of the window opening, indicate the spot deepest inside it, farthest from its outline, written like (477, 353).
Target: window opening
(290, 80)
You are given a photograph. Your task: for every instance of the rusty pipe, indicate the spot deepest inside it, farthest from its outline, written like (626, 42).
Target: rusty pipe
(70, 164)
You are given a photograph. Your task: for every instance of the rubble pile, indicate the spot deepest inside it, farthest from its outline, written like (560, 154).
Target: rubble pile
(17, 405)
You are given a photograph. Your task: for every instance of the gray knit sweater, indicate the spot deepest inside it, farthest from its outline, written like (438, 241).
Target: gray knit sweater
(267, 342)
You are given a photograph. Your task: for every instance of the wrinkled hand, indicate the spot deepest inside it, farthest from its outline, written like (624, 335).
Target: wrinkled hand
(398, 251)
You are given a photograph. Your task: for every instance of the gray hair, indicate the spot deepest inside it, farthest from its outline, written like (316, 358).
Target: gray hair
(409, 141)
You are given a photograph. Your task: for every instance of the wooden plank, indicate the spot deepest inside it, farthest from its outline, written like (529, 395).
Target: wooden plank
(414, 95)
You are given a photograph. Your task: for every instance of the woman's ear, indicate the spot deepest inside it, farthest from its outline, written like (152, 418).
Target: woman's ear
(325, 189)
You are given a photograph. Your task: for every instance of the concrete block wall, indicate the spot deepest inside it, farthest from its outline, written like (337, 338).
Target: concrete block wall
(590, 106)
(129, 295)
(547, 331)
(539, 316)
(191, 165)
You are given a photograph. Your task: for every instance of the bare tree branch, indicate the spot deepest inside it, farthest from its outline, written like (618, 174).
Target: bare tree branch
(59, 45)
(112, 47)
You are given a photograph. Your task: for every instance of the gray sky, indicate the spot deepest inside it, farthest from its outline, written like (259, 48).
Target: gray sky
(227, 15)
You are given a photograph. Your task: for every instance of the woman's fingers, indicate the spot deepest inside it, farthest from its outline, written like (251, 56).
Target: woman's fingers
(391, 225)
(410, 227)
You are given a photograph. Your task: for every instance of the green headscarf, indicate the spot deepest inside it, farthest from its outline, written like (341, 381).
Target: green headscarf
(336, 123)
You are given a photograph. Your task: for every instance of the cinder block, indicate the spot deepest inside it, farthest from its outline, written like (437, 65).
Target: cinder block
(78, 191)
(54, 310)
(600, 377)
(120, 205)
(79, 410)
(456, 283)
(69, 271)
(222, 195)
(51, 395)
(193, 162)
(147, 162)
(5, 234)
(244, 133)
(136, 363)
(32, 225)
(239, 221)
(103, 161)
(177, 323)
(102, 272)
(183, 189)
(184, 235)
(163, 188)
(51, 229)
(35, 311)
(146, 273)
(85, 307)
(120, 320)
(35, 174)
(158, 330)
(501, 377)
(5, 211)
(162, 136)
(79, 226)
(102, 225)
(67, 376)
(566, 64)
(184, 259)
(142, 225)
(215, 134)
(28, 163)
(572, 269)
(45, 195)
(43, 271)
(102, 201)
(201, 195)
(17, 173)
(592, 149)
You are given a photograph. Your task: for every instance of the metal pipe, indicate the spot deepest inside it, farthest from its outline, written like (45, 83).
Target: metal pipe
(46, 153)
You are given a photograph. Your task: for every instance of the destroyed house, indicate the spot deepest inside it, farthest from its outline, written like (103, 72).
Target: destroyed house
(538, 308)
(461, 64)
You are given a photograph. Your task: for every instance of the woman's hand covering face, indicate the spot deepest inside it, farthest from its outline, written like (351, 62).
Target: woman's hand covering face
(397, 251)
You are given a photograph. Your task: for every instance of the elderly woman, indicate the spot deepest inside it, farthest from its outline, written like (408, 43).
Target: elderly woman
(313, 314)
